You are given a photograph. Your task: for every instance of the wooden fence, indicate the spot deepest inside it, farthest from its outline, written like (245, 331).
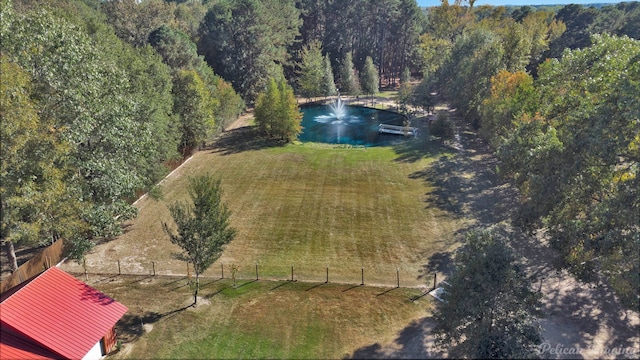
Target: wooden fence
(50, 256)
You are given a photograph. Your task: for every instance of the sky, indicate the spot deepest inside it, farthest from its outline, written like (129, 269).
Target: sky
(520, 2)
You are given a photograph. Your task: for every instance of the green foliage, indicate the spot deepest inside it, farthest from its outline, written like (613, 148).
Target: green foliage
(202, 227)
(577, 161)
(195, 105)
(245, 41)
(348, 81)
(369, 77)
(176, 48)
(385, 30)
(276, 113)
(442, 127)
(312, 71)
(489, 309)
(38, 205)
(134, 20)
(180, 53)
(465, 77)
(328, 82)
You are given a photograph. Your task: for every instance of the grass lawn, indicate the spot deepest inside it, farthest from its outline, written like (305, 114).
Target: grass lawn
(310, 206)
(261, 319)
(307, 206)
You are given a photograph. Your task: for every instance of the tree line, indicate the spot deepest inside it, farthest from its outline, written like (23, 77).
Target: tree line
(96, 102)
(557, 97)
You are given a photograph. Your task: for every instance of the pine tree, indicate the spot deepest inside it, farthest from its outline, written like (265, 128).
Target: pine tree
(348, 80)
(328, 83)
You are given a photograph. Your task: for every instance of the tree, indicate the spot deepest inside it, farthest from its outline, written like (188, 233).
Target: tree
(465, 77)
(180, 53)
(134, 20)
(369, 77)
(84, 97)
(202, 227)
(576, 162)
(38, 205)
(328, 83)
(442, 127)
(348, 80)
(312, 71)
(265, 112)
(195, 105)
(276, 113)
(511, 95)
(488, 310)
(245, 41)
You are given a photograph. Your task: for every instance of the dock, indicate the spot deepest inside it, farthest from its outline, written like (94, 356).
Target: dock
(398, 130)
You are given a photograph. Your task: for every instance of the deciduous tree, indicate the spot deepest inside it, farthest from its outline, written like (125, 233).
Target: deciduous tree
(277, 114)
(202, 227)
(489, 310)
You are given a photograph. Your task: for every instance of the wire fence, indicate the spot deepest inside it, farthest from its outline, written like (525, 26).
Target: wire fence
(255, 272)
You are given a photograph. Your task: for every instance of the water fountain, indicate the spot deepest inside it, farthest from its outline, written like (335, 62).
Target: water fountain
(337, 108)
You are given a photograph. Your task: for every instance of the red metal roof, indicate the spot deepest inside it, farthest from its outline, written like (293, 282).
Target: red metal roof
(60, 313)
(15, 347)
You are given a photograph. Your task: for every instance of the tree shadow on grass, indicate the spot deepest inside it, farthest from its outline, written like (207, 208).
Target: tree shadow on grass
(131, 327)
(466, 184)
(412, 342)
(242, 139)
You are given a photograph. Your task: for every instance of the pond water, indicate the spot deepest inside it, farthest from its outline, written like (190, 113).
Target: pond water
(352, 125)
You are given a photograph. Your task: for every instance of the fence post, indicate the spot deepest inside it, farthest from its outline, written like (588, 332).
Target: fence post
(222, 271)
(119, 273)
(153, 266)
(398, 276)
(291, 272)
(435, 275)
(84, 265)
(326, 282)
(362, 283)
(257, 277)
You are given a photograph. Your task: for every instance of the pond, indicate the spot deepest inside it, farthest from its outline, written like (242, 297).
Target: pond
(353, 125)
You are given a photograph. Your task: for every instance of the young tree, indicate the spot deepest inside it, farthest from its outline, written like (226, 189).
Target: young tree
(277, 114)
(289, 114)
(369, 77)
(328, 83)
(488, 309)
(442, 127)
(348, 80)
(265, 110)
(312, 71)
(202, 227)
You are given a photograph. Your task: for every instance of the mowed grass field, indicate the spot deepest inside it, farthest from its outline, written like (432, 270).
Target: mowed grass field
(306, 206)
(260, 320)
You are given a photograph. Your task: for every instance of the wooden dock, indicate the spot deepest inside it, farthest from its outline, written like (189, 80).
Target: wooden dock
(398, 130)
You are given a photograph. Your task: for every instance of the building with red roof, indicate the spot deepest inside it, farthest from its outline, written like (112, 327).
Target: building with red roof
(53, 316)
